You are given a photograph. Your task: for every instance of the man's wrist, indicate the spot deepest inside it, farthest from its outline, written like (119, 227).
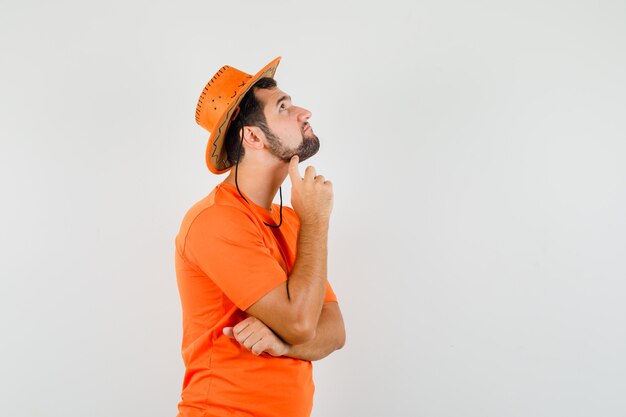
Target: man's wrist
(315, 225)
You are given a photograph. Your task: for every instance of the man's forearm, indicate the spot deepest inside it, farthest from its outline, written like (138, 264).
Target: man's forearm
(330, 336)
(306, 285)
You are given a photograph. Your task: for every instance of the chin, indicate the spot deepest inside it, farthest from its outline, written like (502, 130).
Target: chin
(309, 147)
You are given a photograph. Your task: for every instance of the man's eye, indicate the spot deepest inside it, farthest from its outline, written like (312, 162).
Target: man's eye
(282, 107)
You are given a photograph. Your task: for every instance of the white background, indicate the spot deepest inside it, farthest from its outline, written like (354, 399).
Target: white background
(478, 236)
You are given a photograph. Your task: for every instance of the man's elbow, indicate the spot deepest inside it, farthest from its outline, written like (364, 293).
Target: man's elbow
(300, 333)
(341, 339)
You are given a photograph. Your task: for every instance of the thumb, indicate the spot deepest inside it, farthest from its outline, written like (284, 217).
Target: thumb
(294, 174)
(228, 331)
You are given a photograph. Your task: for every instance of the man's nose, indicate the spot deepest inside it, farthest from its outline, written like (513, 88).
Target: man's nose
(304, 114)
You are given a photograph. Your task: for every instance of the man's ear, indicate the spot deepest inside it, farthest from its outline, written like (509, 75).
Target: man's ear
(253, 137)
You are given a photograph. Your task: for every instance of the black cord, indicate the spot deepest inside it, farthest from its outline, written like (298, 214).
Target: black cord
(280, 189)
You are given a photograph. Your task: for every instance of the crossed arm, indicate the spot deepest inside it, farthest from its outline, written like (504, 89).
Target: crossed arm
(292, 319)
(330, 335)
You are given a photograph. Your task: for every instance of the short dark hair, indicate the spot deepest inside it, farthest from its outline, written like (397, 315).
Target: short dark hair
(251, 114)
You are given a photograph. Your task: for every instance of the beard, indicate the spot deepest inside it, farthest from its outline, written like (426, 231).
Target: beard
(307, 148)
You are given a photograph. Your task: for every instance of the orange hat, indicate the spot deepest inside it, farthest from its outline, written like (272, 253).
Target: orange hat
(218, 105)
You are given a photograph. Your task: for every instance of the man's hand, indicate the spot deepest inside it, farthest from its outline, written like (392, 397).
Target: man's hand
(255, 336)
(311, 196)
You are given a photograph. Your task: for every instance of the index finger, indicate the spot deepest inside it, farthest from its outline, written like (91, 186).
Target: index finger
(294, 174)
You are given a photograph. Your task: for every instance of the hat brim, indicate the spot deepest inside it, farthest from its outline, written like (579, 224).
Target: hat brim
(216, 156)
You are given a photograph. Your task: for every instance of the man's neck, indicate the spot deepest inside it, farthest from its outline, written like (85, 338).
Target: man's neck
(259, 183)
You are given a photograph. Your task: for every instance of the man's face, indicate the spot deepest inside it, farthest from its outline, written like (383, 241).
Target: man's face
(289, 132)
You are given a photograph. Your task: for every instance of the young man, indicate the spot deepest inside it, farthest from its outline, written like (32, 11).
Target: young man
(257, 306)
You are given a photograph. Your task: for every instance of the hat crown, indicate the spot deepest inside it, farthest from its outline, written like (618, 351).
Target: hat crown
(218, 94)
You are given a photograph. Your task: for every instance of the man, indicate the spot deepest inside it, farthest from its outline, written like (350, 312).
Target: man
(257, 306)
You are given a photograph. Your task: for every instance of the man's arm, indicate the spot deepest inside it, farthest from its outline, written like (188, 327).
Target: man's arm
(292, 310)
(255, 336)
(330, 336)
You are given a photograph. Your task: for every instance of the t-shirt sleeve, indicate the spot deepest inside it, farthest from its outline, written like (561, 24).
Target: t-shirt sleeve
(226, 245)
(330, 294)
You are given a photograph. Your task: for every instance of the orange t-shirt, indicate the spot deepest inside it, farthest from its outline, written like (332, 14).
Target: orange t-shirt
(226, 260)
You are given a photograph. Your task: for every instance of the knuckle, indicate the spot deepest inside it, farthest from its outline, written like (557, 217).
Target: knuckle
(259, 348)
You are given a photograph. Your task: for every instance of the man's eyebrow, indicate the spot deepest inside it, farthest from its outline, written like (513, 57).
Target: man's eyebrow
(283, 98)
